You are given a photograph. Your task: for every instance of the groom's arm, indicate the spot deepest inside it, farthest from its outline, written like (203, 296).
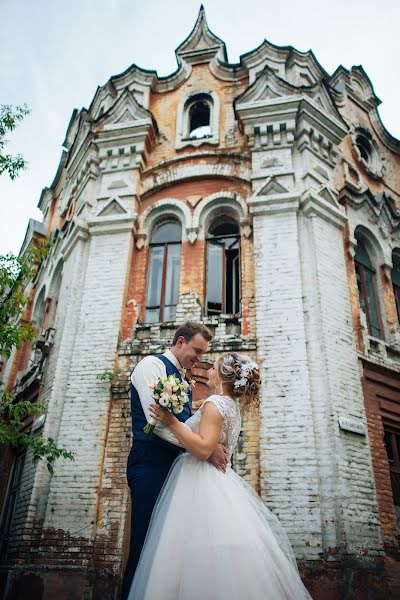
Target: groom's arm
(148, 371)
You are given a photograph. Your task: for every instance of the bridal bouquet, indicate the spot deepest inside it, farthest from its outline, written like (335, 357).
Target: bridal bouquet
(171, 394)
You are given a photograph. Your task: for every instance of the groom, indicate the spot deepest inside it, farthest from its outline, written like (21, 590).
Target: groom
(151, 456)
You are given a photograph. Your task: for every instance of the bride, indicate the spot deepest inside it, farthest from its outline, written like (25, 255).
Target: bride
(210, 536)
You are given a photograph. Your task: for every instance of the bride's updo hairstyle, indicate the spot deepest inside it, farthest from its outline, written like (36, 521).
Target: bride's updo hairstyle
(243, 375)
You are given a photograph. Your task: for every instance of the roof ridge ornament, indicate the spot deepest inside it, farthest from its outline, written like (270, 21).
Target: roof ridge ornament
(201, 45)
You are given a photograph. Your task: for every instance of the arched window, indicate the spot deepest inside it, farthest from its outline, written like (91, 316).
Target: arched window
(163, 272)
(366, 282)
(396, 280)
(54, 292)
(39, 311)
(198, 110)
(223, 268)
(199, 118)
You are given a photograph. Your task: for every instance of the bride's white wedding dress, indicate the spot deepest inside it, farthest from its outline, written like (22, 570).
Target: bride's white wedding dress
(211, 537)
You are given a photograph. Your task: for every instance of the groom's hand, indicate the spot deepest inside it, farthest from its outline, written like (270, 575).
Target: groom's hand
(219, 458)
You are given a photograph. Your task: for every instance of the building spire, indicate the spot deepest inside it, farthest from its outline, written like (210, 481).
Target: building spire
(202, 44)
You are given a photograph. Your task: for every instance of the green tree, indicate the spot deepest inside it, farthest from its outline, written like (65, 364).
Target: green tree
(9, 119)
(15, 274)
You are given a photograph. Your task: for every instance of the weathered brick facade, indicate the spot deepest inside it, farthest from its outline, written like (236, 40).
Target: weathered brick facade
(301, 162)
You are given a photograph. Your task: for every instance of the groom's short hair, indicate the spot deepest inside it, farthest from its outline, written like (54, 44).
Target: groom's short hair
(189, 329)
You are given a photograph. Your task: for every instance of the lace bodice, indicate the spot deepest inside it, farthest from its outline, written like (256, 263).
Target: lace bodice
(231, 424)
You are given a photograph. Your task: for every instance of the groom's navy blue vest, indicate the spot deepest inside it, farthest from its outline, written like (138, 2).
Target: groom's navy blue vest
(138, 417)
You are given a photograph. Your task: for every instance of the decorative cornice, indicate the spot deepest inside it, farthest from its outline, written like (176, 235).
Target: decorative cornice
(283, 60)
(276, 112)
(111, 224)
(382, 206)
(356, 84)
(157, 179)
(78, 231)
(323, 206)
(273, 204)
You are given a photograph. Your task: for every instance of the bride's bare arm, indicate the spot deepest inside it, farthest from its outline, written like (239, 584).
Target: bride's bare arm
(201, 444)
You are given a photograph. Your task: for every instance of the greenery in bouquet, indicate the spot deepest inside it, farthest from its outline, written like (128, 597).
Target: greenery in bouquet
(171, 394)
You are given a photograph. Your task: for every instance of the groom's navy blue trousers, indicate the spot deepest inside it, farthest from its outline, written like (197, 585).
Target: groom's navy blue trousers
(148, 467)
(149, 462)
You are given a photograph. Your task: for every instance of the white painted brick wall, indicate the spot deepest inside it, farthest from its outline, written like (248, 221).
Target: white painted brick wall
(73, 492)
(289, 476)
(347, 496)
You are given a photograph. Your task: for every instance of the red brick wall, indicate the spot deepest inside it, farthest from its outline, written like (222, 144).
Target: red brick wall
(381, 390)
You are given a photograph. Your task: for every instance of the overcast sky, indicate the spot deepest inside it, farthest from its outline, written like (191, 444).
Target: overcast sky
(54, 54)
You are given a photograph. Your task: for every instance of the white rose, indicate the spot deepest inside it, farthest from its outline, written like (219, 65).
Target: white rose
(164, 401)
(178, 409)
(175, 388)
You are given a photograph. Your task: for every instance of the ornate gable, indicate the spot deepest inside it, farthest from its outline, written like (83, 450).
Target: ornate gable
(201, 45)
(295, 67)
(381, 208)
(126, 112)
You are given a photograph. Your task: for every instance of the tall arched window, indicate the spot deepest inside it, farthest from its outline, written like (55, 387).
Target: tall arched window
(39, 311)
(366, 282)
(163, 272)
(199, 119)
(396, 280)
(223, 268)
(199, 116)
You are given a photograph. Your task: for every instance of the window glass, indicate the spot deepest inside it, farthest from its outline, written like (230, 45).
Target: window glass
(366, 284)
(215, 277)
(172, 281)
(223, 268)
(163, 273)
(167, 232)
(372, 304)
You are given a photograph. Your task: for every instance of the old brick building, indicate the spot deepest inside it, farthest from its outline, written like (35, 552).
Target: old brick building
(262, 198)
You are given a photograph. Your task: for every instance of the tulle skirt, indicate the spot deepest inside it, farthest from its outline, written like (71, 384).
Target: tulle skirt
(211, 538)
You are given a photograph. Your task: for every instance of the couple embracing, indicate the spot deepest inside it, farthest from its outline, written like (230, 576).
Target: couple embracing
(198, 530)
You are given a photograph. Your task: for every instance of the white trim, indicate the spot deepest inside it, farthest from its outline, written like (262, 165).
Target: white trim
(163, 208)
(217, 201)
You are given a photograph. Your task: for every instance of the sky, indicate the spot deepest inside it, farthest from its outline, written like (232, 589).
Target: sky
(54, 54)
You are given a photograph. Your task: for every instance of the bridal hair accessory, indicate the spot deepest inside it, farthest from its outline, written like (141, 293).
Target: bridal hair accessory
(244, 372)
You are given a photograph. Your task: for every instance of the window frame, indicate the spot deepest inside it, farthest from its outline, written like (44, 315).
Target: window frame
(362, 268)
(11, 500)
(209, 239)
(165, 246)
(183, 138)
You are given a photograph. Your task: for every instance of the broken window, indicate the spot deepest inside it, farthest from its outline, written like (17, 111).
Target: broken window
(199, 115)
(11, 501)
(223, 268)
(396, 281)
(163, 272)
(366, 282)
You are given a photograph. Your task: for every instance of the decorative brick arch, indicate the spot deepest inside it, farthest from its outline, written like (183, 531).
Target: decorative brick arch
(158, 210)
(217, 201)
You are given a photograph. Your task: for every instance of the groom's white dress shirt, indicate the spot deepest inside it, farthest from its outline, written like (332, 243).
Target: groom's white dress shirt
(147, 371)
